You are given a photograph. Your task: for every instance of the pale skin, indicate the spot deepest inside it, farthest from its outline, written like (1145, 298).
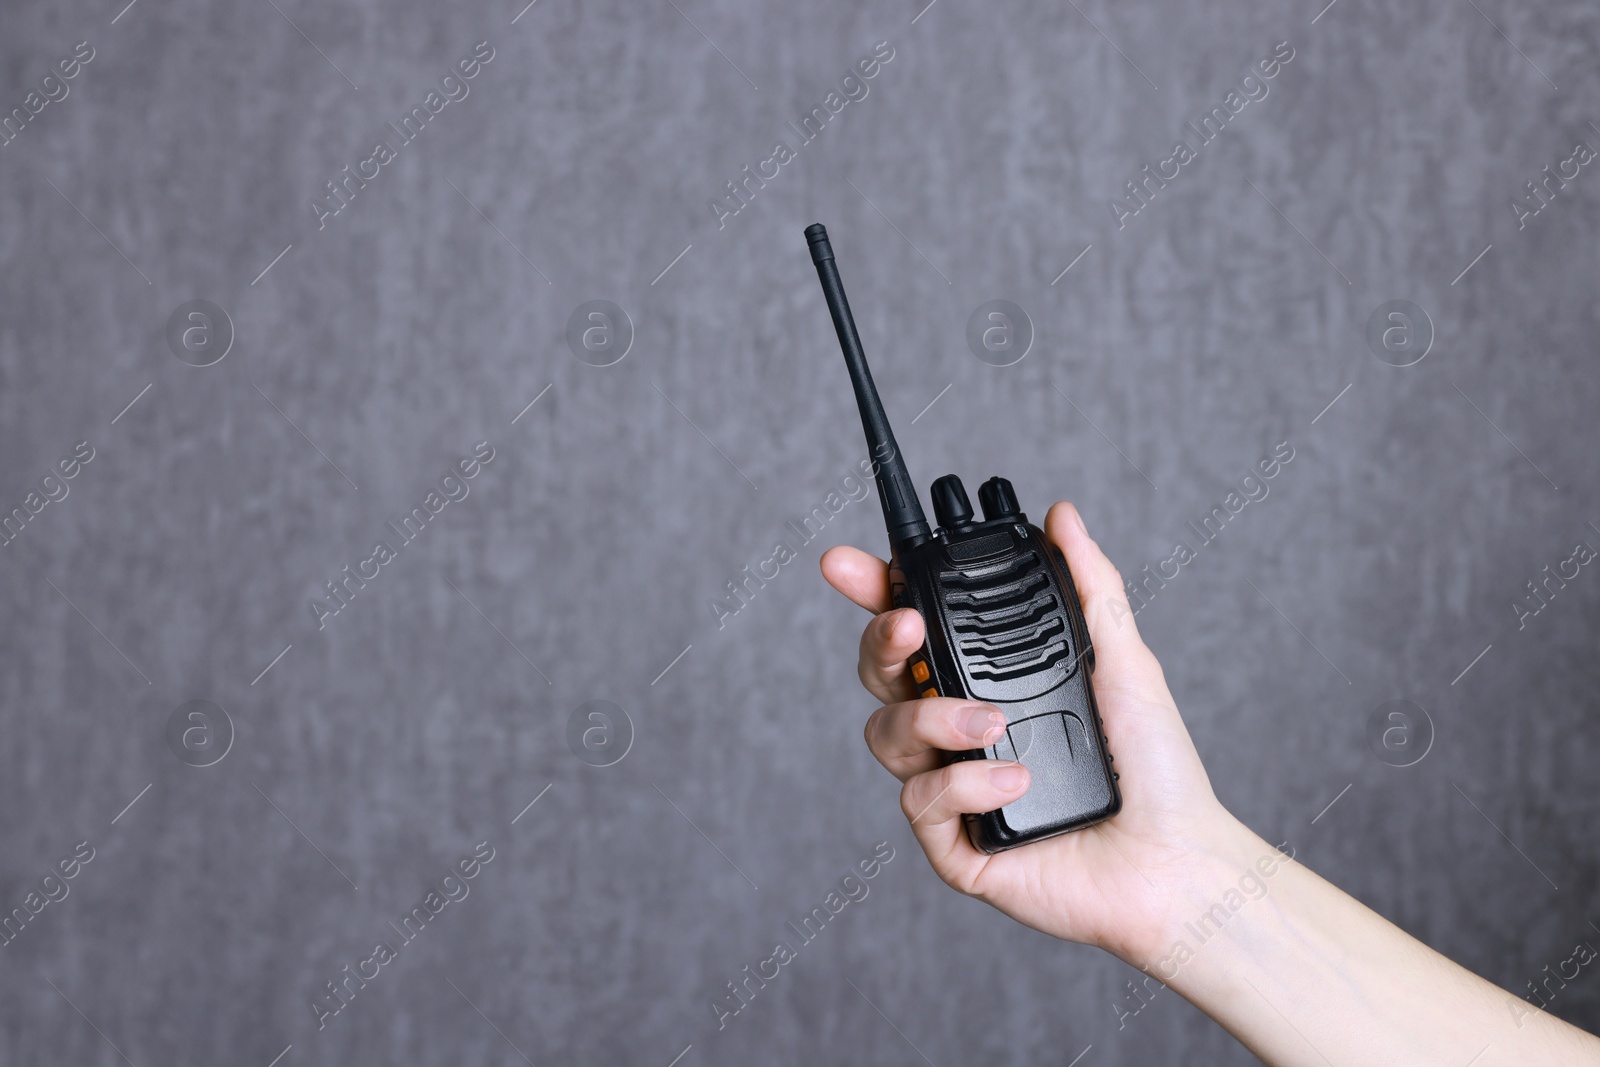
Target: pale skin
(1302, 974)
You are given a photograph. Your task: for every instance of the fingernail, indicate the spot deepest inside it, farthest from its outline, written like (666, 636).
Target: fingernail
(983, 724)
(1078, 518)
(1008, 777)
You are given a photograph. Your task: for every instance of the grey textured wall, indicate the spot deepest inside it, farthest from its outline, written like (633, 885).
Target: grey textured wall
(420, 721)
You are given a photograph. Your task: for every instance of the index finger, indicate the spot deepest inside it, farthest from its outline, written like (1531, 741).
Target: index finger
(890, 638)
(860, 576)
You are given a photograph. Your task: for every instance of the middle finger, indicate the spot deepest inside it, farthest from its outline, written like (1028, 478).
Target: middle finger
(913, 736)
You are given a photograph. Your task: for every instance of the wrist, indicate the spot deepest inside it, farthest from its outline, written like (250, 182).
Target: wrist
(1221, 870)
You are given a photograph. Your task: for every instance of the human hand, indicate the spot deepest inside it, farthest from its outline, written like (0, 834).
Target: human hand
(1115, 884)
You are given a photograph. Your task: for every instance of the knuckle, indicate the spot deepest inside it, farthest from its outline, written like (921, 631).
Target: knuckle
(907, 806)
(1158, 674)
(971, 887)
(873, 730)
(864, 674)
(921, 792)
(923, 720)
(1108, 606)
(1094, 607)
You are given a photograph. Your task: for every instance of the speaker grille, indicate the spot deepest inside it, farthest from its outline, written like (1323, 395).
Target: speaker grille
(1006, 624)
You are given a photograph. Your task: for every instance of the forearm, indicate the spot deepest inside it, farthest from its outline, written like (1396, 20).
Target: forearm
(1303, 974)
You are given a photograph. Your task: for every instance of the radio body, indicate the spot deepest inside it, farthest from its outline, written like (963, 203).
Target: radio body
(1005, 627)
(1004, 622)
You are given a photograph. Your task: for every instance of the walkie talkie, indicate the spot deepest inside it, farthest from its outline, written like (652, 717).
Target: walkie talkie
(1004, 623)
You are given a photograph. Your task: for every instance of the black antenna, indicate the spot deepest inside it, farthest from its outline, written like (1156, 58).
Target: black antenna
(902, 511)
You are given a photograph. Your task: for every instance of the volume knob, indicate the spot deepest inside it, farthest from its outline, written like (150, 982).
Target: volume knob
(998, 499)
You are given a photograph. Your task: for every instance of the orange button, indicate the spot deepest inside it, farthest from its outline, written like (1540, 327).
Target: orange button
(930, 692)
(919, 671)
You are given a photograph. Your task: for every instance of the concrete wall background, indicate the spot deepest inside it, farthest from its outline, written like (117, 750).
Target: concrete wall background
(424, 718)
